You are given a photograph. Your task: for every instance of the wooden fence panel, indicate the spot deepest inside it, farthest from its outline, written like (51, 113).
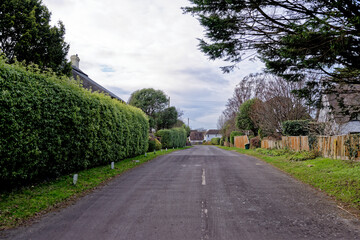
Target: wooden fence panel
(296, 143)
(270, 144)
(240, 141)
(335, 147)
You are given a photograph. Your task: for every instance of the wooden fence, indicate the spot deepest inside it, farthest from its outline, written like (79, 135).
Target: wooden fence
(335, 146)
(328, 146)
(296, 143)
(270, 144)
(240, 141)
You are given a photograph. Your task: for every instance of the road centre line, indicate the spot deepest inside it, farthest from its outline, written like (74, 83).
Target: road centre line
(203, 177)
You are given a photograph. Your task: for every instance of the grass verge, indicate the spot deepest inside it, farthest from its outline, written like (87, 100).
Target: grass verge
(337, 178)
(23, 205)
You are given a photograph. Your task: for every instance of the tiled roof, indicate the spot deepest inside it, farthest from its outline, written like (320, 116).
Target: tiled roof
(213, 131)
(195, 135)
(88, 83)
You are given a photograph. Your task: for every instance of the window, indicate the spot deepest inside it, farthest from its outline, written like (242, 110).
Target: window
(355, 116)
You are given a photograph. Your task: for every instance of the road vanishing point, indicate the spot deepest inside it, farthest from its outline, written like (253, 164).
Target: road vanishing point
(199, 193)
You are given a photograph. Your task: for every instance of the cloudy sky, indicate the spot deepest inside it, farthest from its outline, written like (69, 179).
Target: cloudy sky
(126, 45)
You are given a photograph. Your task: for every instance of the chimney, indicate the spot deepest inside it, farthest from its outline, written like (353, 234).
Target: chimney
(75, 60)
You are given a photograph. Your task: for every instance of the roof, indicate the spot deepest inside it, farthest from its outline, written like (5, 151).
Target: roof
(195, 135)
(350, 127)
(88, 83)
(213, 131)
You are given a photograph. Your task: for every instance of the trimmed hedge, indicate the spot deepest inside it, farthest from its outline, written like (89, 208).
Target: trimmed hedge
(234, 134)
(296, 127)
(51, 126)
(175, 137)
(215, 141)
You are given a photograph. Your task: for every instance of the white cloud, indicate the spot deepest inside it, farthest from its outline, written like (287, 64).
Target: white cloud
(132, 44)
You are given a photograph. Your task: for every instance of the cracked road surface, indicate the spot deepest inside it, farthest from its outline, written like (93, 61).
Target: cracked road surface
(199, 193)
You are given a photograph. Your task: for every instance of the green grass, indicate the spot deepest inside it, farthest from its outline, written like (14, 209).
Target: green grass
(21, 205)
(338, 178)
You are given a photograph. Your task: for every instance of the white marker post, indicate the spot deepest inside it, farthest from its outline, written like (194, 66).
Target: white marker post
(75, 178)
(112, 165)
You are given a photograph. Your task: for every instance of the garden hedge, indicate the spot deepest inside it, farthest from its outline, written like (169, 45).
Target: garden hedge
(233, 134)
(215, 141)
(296, 127)
(50, 126)
(175, 137)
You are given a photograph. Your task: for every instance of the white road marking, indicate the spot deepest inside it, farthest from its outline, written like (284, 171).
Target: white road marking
(203, 177)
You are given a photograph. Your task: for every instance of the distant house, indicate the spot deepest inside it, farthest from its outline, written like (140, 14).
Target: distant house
(341, 120)
(212, 133)
(87, 82)
(196, 137)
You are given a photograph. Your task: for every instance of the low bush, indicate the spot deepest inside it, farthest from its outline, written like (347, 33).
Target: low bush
(255, 142)
(290, 155)
(304, 155)
(50, 126)
(158, 145)
(215, 141)
(154, 144)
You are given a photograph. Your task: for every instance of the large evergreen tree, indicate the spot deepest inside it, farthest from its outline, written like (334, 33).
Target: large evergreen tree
(26, 34)
(295, 38)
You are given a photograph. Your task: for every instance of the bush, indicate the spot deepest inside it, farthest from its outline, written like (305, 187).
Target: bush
(304, 155)
(296, 127)
(233, 134)
(255, 142)
(154, 144)
(158, 145)
(221, 142)
(175, 137)
(215, 141)
(51, 126)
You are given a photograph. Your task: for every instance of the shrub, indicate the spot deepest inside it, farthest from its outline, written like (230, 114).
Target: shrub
(304, 155)
(255, 142)
(221, 142)
(296, 127)
(215, 141)
(175, 137)
(234, 134)
(158, 144)
(51, 126)
(151, 147)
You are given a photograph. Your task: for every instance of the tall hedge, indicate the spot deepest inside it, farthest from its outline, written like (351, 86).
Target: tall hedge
(233, 134)
(51, 126)
(296, 127)
(175, 137)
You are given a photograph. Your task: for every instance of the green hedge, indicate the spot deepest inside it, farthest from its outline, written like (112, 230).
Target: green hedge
(175, 137)
(296, 127)
(215, 141)
(234, 134)
(51, 126)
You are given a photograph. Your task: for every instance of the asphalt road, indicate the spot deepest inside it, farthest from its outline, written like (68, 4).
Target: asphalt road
(198, 193)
